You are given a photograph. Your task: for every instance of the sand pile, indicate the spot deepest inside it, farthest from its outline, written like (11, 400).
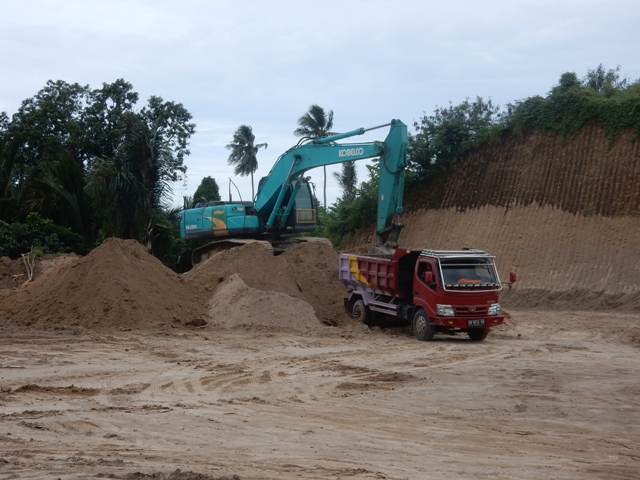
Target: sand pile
(308, 271)
(315, 269)
(235, 305)
(118, 285)
(255, 265)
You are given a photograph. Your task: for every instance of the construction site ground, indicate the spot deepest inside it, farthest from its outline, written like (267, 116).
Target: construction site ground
(246, 367)
(535, 400)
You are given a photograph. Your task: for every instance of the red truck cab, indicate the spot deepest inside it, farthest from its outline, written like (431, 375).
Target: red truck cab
(446, 291)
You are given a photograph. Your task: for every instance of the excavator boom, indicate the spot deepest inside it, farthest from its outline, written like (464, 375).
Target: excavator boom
(295, 162)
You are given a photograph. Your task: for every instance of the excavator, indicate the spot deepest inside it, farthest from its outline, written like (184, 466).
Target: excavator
(284, 204)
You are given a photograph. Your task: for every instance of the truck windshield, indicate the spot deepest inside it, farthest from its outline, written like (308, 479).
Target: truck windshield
(463, 272)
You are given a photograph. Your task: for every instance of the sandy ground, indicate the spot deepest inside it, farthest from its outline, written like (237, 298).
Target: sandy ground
(551, 394)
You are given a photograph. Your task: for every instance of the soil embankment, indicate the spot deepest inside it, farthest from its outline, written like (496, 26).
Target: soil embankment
(564, 215)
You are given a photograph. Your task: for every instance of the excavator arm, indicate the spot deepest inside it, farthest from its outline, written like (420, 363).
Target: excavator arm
(288, 172)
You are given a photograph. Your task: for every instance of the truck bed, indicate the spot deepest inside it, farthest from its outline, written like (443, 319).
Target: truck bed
(391, 276)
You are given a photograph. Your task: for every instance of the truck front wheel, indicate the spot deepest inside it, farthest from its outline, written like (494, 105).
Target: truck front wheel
(422, 329)
(360, 312)
(478, 334)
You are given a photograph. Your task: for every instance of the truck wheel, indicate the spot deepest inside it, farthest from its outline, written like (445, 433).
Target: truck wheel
(422, 329)
(478, 334)
(360, 312)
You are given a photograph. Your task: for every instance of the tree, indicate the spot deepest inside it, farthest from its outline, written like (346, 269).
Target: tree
(442, 138)
(133, 185)
(207, 191)
(601, 97)
(50, 123)
(568, 80)
(88, 160)
(348, 179)
(314, 124)
(44, 155)
(9, 205)
(604, 82)
(244, 152)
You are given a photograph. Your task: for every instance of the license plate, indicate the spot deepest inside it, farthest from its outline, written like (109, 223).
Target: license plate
(476, 323)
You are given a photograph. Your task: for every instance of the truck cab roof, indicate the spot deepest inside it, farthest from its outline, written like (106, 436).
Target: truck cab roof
(465, 252)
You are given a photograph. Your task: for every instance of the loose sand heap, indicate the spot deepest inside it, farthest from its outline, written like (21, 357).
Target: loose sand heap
(235, 305)
(308, 271)
(119, 285)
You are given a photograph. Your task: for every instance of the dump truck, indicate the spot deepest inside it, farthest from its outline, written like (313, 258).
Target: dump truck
(437, 291)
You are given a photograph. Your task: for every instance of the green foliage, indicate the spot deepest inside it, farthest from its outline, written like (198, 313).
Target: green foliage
(208, 190)
(42, 234)
(165, 241)
(350, 214)
(444, 137)
(604, 82)
(316, 123)
(602, 97)
(89, 160)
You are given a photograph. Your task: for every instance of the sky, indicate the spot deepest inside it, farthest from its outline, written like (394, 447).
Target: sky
(264, 62)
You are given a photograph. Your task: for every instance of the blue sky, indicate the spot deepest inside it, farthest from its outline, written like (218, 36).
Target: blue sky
(262, 63)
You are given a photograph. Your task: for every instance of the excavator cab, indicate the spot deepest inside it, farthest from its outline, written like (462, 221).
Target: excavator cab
(304, 214)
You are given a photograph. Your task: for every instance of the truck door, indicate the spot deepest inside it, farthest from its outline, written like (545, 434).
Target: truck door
(425, 285)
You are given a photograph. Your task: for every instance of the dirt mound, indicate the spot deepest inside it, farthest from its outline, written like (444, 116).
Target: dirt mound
(12, 273)
(118, 285)
(235, 305)
(308, 271)
(315, 269)
(257, 267)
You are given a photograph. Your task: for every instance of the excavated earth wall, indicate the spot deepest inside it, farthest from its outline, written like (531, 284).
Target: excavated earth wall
(565, 215)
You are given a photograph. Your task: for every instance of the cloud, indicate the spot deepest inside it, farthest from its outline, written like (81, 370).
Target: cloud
(263, 63)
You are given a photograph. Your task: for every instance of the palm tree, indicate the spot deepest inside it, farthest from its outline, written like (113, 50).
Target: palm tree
(243, 153)
(316, 124)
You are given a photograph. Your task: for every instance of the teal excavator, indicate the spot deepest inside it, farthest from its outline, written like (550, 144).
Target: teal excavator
(284, 204)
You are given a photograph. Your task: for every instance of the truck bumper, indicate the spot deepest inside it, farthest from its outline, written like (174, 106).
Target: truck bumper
(466, 322)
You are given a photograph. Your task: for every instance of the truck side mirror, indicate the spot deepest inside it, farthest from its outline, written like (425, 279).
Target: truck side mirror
(428, 277)
(512, 277)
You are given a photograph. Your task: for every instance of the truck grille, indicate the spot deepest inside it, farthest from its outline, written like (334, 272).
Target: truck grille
(471, 310)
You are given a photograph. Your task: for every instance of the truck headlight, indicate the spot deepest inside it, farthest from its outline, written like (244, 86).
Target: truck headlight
(494, 309)
(444, 310)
